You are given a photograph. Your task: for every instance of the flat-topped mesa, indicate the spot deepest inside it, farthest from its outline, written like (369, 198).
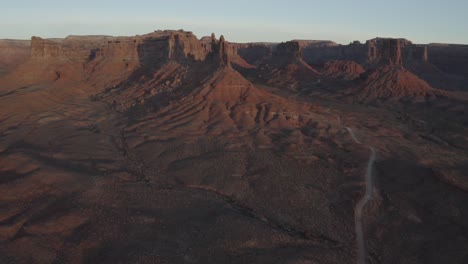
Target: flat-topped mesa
(159, 47)
(306, 43)
(372, 53)
(119, 48)
(75, 48)
(152, 48)
(45, 49)
(391, 52)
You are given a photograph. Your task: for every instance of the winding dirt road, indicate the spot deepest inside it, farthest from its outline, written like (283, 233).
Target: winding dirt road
(358, 224)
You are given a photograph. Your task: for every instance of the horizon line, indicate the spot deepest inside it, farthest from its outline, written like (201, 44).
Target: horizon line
(239, 42)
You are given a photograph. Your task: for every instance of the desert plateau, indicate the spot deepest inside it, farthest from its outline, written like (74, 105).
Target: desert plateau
(169, 147)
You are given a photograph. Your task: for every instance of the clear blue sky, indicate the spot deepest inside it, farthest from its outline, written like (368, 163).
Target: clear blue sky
(422, 21)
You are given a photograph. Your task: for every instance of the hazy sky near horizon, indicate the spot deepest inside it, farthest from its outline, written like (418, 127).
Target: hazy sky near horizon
(343, 21)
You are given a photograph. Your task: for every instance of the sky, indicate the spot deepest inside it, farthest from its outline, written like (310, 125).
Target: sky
(343, 21)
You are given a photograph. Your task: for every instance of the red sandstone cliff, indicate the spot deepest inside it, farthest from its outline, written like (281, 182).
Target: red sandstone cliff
(12, 54)
(108, 60)
(105, 60)
(391, 52)
(256, 53)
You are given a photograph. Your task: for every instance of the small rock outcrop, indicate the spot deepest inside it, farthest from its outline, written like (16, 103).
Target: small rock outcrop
(347, 70)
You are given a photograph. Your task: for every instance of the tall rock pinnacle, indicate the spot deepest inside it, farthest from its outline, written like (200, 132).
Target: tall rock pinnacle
(213, 38)
(223, 56)
(221, 50)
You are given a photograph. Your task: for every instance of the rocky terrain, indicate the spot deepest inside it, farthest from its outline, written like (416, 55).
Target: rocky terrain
(169, 148)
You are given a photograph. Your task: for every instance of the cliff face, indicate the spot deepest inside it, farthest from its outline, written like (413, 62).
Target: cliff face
(315, 43)
(417, 53)
(105, 61)
(163, 45)
(449, 58)
(45, 49)
(290, 50)
(13, 53)
(171, 45)
(353, 52)
(391, 52)
(255, 53)
(117, 49)
(74, 48)
(116, 56)
(443, 66)
(185, 45)
(368, 54)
